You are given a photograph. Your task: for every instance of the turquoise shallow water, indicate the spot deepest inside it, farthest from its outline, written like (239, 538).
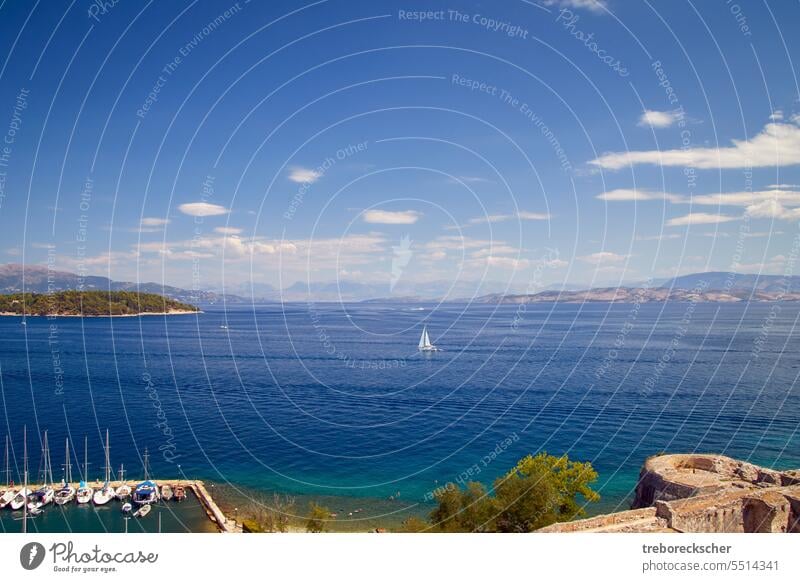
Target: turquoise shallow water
(334, 400)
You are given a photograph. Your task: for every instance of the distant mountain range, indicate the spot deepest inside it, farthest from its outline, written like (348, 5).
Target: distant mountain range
(716, 287)
(42, 280)
(708, 287)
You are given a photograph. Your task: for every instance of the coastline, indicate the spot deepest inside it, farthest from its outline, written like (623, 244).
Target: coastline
(49, 315)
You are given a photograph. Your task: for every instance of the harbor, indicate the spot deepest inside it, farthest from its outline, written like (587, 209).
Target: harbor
(104, 505)
(197, 512)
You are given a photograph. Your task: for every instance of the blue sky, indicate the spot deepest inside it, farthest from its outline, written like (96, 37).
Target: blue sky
(487, 145)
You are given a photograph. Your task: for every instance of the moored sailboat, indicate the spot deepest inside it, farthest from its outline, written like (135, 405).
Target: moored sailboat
(106, 493)
(146, 492)
(67, 491)
(45, 494)
(85, 493)
(8, 493)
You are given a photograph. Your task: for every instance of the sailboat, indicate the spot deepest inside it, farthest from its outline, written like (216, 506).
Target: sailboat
(67, 491)
(146, 492)
(85, 492)
(21, 500)
(45, 494)
(425, 344)
(124, 490)
(106, 494)
(8, 492)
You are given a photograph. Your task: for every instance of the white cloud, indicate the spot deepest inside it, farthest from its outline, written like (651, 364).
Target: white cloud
(391, 217)
(787, 197)
(777, 115)
(154, 221)
(302, 175)
(778, 144)
(202, 209)
(228, 230)
(603, 257)
(700, 218)
(658, 119)
(521, 215)
(629, 195)
(593, 5)
(773, 209)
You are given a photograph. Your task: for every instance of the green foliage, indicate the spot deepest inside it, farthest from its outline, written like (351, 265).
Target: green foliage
(89, 303)
(317, 518)
(538, 491)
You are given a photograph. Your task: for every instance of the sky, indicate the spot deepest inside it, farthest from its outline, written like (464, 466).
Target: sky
(460, 146)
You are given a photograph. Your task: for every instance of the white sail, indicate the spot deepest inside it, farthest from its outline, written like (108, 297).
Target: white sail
(425, 344)
(424, 341)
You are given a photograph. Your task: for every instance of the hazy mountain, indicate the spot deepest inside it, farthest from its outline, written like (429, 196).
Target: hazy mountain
(735, 282)
(41, 280)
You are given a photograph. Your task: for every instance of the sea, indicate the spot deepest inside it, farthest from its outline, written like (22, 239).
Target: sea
(334, 401)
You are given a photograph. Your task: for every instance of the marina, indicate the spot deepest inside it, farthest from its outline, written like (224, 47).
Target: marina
(198, 512)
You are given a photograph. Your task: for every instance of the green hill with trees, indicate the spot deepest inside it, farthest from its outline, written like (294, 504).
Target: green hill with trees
(90, 303)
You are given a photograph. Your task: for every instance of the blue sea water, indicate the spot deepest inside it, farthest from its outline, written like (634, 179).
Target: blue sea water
(335, 400)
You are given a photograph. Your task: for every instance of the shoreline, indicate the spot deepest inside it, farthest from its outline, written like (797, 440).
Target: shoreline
(49, 315)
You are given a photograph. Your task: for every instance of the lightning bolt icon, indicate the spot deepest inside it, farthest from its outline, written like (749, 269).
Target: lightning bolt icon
(32, 554)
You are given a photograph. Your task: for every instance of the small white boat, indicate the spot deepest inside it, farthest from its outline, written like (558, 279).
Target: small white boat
(85, 493)
(146, 492)
(107, 493)
(65, 494)
(123, 491)
(41, 497)
(166, 492)
(36, 511)
(104, 495)
(6, 497)
(425, 344)
(142, 511)
(126, 507)
(20, 499)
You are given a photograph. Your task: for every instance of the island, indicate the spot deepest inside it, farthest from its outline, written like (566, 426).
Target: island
(91, 304)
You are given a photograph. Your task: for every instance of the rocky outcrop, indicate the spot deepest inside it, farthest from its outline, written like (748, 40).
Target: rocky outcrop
(704, 494)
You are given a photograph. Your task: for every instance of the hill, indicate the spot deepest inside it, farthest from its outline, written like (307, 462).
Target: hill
(42, 280)
(90, 303)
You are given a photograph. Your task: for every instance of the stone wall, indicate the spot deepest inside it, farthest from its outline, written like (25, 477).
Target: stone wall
(703, 494)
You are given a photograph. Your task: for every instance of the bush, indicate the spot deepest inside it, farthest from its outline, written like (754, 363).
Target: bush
(538, 491)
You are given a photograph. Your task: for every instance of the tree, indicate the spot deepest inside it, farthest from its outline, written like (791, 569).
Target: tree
(538, 491)
(317, 518)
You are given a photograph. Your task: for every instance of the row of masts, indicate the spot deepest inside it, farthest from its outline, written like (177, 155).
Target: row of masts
(46, 467)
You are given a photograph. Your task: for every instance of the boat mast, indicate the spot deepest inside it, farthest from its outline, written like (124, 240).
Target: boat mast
(108, 461)
(67, 463)
(86, 458)
(46, 466)
(8, 469)
(25, 478)
(146, 457)
(122, 472)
